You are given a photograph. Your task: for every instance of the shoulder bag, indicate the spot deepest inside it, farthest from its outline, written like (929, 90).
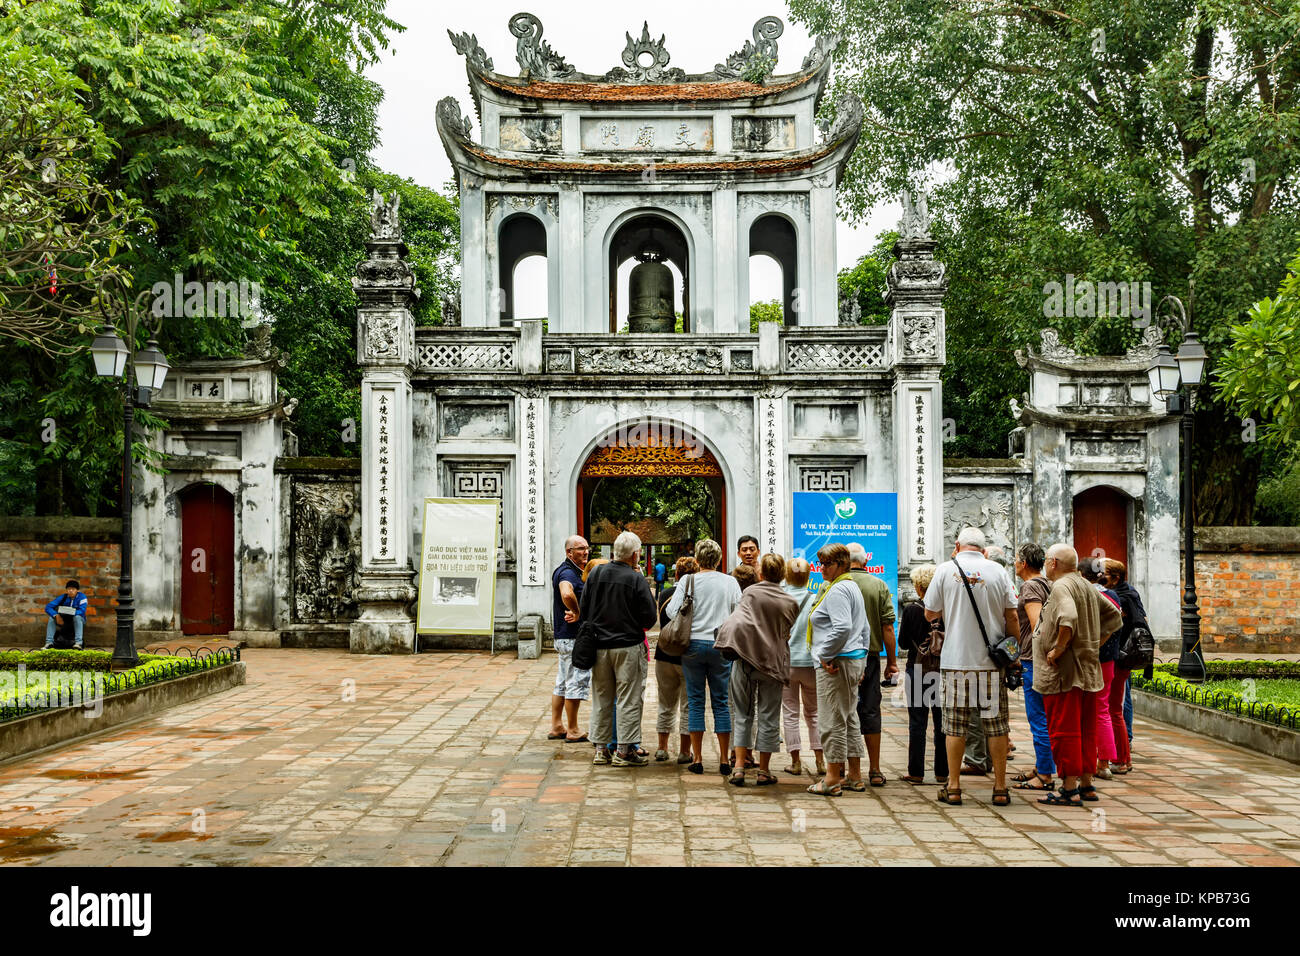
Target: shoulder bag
(675, 636)
(1138, 649)
(584, 642)
(1007, 650)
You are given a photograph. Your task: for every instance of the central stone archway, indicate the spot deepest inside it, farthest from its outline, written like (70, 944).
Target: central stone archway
(646, 450)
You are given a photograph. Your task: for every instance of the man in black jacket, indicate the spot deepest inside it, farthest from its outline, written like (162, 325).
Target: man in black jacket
(618, 607)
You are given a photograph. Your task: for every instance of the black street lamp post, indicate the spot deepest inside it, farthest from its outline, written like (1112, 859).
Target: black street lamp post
(113, 357)
(1166, 374)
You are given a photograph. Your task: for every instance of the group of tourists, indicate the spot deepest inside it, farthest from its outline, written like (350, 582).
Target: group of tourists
(760, 650)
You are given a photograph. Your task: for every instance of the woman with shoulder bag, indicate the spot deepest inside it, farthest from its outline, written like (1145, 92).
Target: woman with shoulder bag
(924, 700)
(670, 684)
(1121, 712)
(714, 596)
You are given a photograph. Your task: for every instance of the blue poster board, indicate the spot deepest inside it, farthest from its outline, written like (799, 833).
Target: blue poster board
(869, 518)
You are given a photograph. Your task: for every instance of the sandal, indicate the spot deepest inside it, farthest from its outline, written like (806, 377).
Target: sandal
(1034, 781)
(1027, 775)
(724, 769)
(1089, 794)
(874, 776)
(765, 779)
(1122, 770)
(794, 770)
(910, 779)
(822, 790)
(1001, 798)
(1062, 798)
(950, 797)
(737, 778)
(857, 786)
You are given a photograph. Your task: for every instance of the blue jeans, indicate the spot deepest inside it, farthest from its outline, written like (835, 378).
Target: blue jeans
(78, 625)
(1037, 722)
(1128, 706)
(703, 666)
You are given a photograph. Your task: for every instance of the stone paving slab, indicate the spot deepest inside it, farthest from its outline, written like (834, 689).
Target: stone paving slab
(443, 759)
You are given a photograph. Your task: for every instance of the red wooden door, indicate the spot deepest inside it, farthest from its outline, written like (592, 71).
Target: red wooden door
(1101, 524)
(207, 560)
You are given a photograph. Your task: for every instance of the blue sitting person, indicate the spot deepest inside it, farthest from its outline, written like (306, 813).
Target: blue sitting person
(68, 609)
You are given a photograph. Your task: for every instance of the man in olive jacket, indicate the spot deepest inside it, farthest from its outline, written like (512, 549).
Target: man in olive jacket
(618, 607)
(1075, 622)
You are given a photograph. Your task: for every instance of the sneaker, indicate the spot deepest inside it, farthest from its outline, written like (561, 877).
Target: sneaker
(684, 757)
(78, 647)
(601, 758)
(661, 756)
(629, 759)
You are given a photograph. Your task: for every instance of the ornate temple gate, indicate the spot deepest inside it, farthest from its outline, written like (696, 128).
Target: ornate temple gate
(648, 452)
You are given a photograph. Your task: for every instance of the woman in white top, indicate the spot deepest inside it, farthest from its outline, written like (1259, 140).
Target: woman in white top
(715, 595)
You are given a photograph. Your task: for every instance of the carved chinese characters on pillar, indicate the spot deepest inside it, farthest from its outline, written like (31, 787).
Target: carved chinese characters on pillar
(532, 492)
(920, 415)
(383, 464)
(769, 436)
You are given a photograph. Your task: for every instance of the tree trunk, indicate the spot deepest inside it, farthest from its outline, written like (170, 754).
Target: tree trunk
(1226, 474)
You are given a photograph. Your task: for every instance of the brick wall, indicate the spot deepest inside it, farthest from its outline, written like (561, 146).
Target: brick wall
(1248, 589)
(39, 556)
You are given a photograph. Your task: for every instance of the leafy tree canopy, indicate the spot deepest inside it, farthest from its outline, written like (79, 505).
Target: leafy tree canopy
(1117, 140)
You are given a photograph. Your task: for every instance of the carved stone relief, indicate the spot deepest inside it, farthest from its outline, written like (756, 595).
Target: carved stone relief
(678, 360)
(698, 204)
(531, 134)
(796, 204)
(326, 550)
(989, 508)
(521, 202)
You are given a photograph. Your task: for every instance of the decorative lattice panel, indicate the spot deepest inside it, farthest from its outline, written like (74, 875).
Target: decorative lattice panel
(834, 356)
(474, 358)
(478, 482)
(825, 479)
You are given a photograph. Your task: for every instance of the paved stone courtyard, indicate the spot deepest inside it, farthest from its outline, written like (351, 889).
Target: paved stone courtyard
(443, 759)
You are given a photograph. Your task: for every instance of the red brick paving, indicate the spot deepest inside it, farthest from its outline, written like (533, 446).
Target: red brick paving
(443, 759)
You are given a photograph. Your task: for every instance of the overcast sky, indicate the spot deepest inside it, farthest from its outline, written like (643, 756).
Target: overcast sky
(421, 68)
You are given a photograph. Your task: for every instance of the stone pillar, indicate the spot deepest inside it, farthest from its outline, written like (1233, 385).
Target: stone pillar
(476, 311)
(915, 287)
(386, 291)
(729, 313)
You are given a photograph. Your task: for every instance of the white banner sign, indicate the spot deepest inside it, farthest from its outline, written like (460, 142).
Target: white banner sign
(458, 566)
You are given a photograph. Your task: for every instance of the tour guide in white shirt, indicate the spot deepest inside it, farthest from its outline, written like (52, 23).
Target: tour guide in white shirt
(971, 681)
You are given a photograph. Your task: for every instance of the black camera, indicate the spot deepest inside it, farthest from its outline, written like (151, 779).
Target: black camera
(1014, 678)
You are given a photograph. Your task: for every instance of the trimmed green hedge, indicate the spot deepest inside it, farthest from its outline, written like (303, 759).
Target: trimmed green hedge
(80, 675)
(56, 660)
(1222, 691)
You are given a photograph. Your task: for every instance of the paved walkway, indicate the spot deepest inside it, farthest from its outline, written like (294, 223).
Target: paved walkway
(442, 758)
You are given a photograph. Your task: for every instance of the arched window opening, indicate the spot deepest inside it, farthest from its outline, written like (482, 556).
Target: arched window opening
(530, 297)
(773, 237)
(658, 244)
(522, 237)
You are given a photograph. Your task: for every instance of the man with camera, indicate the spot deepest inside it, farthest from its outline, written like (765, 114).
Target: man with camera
(980, 659)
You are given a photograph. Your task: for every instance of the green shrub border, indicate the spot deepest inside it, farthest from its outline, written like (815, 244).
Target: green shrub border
(153, 669)
(1165, 682)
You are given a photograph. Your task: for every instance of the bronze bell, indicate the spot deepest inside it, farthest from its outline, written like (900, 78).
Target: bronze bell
(650, 290)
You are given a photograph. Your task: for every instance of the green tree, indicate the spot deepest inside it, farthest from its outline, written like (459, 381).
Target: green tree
(59, 227)
(1115, 140)
(243, 130)
(1259, 375)
(771, 311)
(865, 282)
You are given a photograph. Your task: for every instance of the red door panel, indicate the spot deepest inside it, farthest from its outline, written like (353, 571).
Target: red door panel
(207, 560)
(1101, 524)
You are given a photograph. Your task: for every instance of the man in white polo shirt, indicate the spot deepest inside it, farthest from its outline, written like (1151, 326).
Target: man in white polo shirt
(973, 688)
